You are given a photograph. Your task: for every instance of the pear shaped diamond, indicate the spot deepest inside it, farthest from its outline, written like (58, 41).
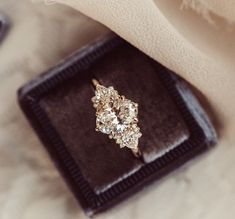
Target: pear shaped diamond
(116, 116)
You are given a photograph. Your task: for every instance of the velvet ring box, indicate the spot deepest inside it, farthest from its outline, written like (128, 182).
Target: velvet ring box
(58, 104)
(4, 25)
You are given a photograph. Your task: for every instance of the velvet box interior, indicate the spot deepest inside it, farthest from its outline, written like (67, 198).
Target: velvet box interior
(58, 105)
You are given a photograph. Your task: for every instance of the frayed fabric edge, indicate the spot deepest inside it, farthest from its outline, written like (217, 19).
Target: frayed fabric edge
(199, 7)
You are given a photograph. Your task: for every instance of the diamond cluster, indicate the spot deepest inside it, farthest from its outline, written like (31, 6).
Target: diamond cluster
(116, 116)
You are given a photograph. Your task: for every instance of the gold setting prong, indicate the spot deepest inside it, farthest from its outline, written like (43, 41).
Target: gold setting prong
(95, 82)
(136, 152)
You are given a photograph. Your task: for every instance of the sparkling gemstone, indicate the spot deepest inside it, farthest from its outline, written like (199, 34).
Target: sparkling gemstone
(120, 128)
(105, 130)
(106, 120)
(128, 111)
(130, 139)
(116, 116)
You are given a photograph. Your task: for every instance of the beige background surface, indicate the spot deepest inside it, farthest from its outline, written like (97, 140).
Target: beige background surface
(41, 35)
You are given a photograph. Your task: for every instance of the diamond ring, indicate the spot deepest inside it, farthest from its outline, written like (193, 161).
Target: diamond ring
(116, 116)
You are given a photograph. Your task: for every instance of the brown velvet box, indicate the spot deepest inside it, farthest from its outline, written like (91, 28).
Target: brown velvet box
(58, 105)
(4, 24)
